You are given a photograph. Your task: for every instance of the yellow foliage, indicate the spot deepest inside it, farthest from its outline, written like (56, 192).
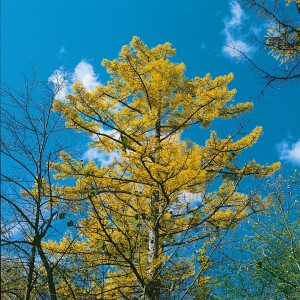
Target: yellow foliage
(137, 217)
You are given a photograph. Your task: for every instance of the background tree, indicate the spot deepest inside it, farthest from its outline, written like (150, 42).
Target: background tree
(282, 39)
(266, 264)
(142, 235)
(30, 205)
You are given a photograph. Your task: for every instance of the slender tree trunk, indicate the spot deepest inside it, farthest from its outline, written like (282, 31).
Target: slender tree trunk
(49, 271)
(29, 286)
(153, 289)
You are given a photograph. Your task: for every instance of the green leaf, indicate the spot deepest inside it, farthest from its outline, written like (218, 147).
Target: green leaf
(124, 139)
(62, 215)
(93, 193)
(70, 223)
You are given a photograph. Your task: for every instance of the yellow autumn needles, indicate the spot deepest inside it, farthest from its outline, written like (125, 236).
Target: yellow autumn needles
(139, 234)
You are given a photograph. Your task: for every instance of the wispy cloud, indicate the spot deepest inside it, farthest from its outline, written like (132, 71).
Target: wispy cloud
(190, 198)
(61, 84)
(63, 80)
(16, 230)
(235, 41)
(186, 200)
(289, 151)
(62, 51)
(110, 132)
(203, 46)
(84, 72)
(100, 156)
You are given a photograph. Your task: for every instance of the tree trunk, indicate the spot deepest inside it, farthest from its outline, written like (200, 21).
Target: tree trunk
(49, 271)
(29, 286)
(153, 288)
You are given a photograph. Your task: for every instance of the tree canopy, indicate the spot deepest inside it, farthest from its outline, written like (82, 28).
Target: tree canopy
(153, 216)
(265, 263)
(282, 39)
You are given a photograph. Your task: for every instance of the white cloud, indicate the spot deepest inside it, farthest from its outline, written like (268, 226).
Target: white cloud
(84, 72)
(100, 156)
(61, 84)
(103, 158)
(173, 138)
(62, 51)
(62, 80)
(111, 132)
(186, 200)
(13, 229)
(203, 46)
(234, 48)
(289, 151)
(190, 198)
(237, 14)
(235, 42)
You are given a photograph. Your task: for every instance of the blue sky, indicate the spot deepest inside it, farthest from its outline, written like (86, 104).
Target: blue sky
(76, 35)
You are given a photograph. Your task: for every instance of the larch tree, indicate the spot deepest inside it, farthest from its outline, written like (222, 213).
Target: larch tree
(142, 236)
